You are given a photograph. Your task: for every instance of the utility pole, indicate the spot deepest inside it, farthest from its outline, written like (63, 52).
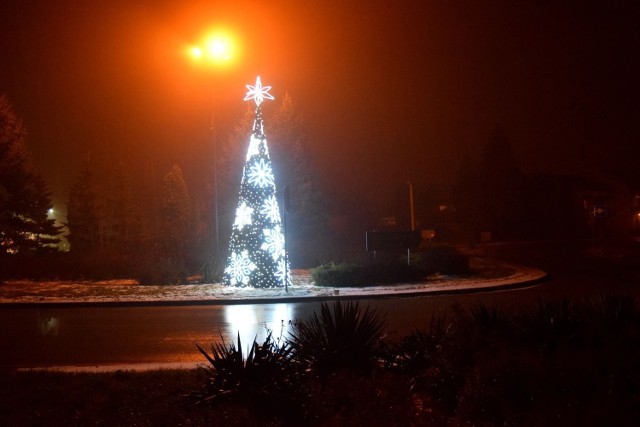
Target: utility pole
(413, 221)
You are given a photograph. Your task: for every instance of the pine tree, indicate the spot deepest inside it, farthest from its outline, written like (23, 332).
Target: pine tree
(83, 212)
(469, 200)
(230, 161)
(307, 219)
(257, 255)
(41, 232)
(503, 185)
(121, 219)
(489, 194)
(24, 197)
(175, 216)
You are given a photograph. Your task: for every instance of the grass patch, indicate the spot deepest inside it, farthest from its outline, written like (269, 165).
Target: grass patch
(119, 398)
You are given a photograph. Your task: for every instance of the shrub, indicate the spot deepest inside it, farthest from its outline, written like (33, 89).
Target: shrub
(432, 362)
(393, 268)
(165, 271)
(562, 362)
(343, 337)
(418, 351)
(442, 259)
(266, 379)
(344, 274)
(93, 265)
(337, 275)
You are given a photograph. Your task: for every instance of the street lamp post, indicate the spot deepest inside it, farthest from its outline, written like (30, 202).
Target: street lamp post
(216, 229)
(214, 51)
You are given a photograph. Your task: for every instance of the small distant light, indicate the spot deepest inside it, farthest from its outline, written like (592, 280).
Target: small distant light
(50, 211)
(196, 52)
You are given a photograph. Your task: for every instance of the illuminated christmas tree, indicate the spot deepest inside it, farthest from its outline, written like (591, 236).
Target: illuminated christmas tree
(257, 255)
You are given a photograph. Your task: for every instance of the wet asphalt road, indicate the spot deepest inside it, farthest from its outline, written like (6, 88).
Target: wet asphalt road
(36, 337)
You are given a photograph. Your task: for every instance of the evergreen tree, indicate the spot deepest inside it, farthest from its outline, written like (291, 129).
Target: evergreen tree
(307, 218)
(175, 216)
(257, 255)
(13, 176)
(503, 186)
(24, 197)
(469, 200)
(121, 222)
(230, 160)
(490, 193)
(41, 232)
(83, 212)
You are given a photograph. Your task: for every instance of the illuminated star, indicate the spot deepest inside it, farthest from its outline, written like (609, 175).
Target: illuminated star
(258, 93)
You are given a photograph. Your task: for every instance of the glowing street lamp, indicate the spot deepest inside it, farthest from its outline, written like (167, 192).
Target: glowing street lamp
(216, 49)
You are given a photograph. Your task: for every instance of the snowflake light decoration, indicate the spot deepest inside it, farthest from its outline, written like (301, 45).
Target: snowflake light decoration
(254, 147)
(243, 216)
(282, 271)
(260, 174)
(273, 242)
(271, 210)
(240, 268)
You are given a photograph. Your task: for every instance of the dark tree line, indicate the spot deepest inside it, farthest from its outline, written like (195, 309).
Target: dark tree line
(111, 228)
(492, 194)
(489, 194)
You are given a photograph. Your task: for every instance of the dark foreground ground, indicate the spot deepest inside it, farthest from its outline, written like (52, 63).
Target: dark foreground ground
(156, 398)
(562, 364)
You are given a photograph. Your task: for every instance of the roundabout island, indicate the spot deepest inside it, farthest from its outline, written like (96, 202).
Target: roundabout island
(486, 275)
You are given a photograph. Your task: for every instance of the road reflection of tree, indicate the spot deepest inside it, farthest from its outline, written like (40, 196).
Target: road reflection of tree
(256, 321)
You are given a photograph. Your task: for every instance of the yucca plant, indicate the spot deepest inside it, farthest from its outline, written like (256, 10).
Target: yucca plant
(482, 325)
(342, 337)
(416, 352)
(615, 309)
(265, 377)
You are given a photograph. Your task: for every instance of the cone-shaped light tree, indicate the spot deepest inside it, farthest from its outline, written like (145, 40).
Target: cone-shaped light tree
(257, 256)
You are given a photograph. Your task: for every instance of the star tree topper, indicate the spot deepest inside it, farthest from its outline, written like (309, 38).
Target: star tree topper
(258, 92)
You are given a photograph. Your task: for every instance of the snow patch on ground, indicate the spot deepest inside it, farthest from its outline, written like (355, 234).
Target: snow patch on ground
(486, 275)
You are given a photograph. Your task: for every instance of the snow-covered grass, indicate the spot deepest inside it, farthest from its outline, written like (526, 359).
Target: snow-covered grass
(486, 275)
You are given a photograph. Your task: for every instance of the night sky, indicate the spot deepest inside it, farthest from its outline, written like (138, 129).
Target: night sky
(390, 91)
